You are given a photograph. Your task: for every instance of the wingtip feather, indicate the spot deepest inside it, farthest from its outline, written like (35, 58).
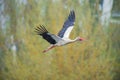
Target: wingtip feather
(40, 30)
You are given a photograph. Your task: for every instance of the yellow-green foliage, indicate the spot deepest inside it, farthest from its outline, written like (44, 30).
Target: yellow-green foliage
(93, 59)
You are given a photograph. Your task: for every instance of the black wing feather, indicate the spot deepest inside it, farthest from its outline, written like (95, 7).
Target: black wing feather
(41, 30)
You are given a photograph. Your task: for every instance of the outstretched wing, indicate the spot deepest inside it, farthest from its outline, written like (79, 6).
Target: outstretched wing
(51, 38)
(68, 26)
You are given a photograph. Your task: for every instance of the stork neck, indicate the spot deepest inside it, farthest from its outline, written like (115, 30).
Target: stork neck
(76, 39)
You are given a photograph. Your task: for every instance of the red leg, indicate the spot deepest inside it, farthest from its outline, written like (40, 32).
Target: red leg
(50, 47)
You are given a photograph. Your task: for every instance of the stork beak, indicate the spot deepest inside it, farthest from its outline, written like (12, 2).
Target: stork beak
(82, 39)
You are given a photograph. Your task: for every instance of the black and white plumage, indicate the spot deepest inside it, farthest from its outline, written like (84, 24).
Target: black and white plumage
(63, 36)
(68, 25)
(51, 38)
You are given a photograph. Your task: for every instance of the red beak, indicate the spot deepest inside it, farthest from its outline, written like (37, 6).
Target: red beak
(82, 39)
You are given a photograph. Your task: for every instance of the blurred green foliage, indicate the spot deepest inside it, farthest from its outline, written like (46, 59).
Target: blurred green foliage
(94, 59)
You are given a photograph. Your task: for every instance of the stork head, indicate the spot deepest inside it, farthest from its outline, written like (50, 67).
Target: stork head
(80, 39)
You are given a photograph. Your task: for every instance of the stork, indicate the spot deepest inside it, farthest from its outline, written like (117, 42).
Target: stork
(63, 36)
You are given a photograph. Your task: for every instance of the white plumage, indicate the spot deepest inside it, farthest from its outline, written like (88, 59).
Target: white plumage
(67, 32)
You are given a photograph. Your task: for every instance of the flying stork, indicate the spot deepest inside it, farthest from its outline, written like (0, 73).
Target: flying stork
(63, 36)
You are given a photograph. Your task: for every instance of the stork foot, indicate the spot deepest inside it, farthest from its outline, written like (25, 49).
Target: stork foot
(44, 51)
(50, 47)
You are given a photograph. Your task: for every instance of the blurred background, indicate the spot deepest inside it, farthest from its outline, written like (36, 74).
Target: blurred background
(21, 56)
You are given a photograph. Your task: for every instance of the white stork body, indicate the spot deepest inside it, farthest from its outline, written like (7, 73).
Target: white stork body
(66, 41)
(63, 36)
